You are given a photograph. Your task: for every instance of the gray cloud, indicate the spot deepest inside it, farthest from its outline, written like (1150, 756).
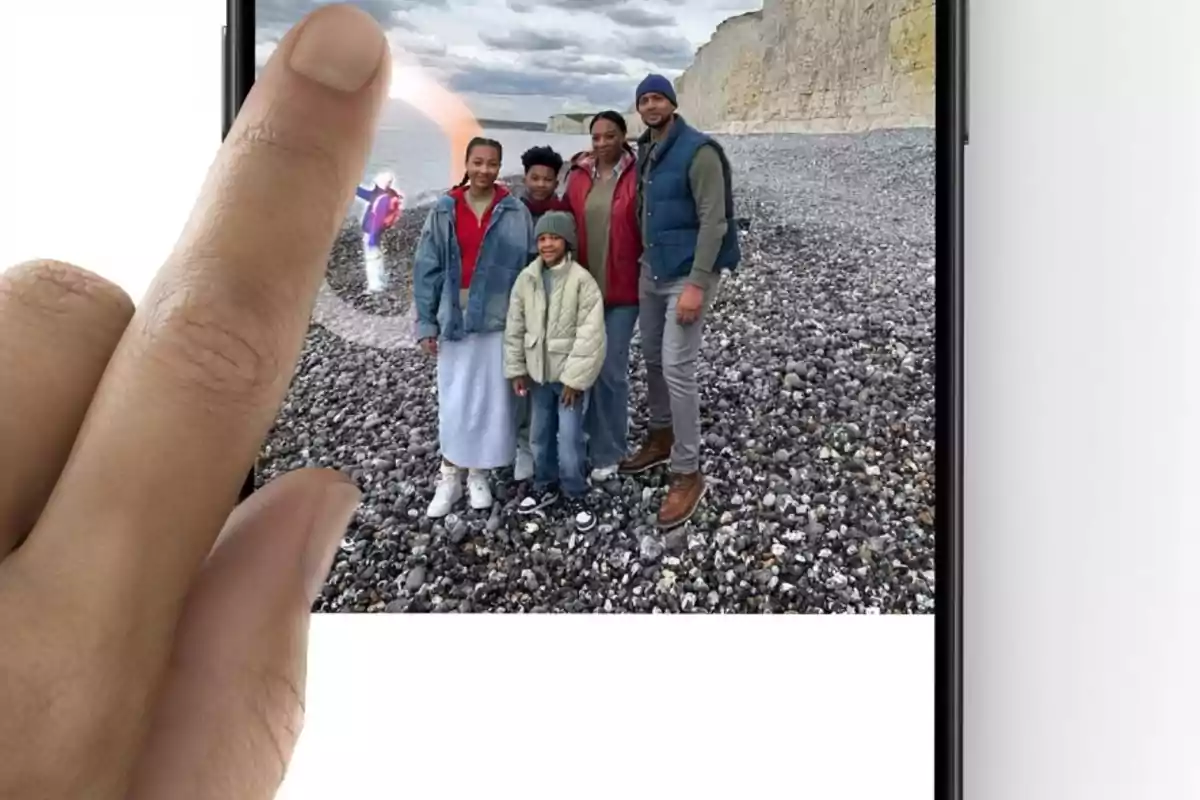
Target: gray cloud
(273, 18)
(665, 50)
(597, 6)
(595, 90)
(638, 17)
(662, 50)
(575, 64)
(415, 44)
(526, 6)
(564, 54)
(529, 40)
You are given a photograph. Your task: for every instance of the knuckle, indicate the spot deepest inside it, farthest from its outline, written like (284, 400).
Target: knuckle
(223, 347)
(54, 291)
(301, 148)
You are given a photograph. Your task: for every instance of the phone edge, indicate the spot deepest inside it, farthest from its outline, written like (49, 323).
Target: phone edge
(951, 131)
(950, 137)
(236, 80)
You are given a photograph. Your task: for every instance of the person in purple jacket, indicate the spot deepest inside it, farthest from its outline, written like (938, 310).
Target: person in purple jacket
(383, 210)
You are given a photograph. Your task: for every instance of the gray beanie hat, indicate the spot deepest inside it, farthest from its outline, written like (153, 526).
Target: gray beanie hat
(559, 223)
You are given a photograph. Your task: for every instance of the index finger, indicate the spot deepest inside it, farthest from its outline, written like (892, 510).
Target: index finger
(196, 381)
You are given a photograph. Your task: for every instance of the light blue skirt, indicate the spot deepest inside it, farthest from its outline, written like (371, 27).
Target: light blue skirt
(477, 420)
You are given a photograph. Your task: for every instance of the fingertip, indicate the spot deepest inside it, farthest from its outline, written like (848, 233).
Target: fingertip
(340, 47)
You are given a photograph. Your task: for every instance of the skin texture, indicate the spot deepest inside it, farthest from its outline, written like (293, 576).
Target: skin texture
(687, 307)
(483, 167)
(656, 112)
(551, 248)
(607, 142)
(540, 182)
(154, 642)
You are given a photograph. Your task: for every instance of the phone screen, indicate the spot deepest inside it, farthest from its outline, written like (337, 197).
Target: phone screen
(634, 311)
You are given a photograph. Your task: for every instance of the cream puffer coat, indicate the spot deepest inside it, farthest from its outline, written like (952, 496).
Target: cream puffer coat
(559, 339)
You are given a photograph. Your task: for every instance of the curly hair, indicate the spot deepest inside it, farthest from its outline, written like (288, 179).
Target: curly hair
(541, 157)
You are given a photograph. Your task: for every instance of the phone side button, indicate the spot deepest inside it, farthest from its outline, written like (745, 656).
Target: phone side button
(965, 47)
(225, 99)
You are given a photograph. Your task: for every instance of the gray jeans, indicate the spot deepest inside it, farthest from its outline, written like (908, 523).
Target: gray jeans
(671, 351)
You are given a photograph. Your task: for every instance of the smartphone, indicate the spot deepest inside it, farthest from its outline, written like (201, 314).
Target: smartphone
(757, 208)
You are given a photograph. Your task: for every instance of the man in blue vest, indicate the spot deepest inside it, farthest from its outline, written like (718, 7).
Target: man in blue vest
(685, 205)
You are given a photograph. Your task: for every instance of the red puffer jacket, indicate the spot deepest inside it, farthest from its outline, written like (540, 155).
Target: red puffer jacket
(624, 236)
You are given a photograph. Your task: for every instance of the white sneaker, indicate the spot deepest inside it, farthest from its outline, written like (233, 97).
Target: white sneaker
(523, 468)
(449, 491)
(602, 474)
(478, 489)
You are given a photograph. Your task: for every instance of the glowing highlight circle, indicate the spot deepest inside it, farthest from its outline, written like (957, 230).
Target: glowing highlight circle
(411, 84)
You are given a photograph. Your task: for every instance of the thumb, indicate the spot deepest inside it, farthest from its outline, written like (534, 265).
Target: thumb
(232, 703)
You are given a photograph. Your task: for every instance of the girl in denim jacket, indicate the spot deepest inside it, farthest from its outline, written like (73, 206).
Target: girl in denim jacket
(475, 242)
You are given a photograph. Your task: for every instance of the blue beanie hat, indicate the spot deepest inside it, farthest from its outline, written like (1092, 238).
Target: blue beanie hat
(657, 84)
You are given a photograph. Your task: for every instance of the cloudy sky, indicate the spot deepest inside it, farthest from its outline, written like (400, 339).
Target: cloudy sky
(528, 59)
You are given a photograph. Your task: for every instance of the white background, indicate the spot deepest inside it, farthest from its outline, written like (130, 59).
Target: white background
(1083, 351)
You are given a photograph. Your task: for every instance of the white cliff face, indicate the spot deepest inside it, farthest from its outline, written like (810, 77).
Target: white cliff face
(574, 124)
(815, 66)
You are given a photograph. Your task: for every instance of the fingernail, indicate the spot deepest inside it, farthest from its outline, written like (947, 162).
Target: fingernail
(334, 511)
(340, 47)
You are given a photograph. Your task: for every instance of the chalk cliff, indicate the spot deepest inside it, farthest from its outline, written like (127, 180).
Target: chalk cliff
(815, 66)
(569, 123)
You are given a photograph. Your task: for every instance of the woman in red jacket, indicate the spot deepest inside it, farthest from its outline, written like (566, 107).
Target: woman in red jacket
(601, 193)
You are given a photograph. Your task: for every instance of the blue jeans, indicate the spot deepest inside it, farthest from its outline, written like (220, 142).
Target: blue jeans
(607, 421)
(556, 434)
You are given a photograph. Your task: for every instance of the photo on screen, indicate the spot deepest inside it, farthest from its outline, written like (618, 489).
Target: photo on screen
(633, 311)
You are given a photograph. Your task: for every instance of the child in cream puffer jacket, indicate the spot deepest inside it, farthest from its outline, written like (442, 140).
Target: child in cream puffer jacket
(553, 350)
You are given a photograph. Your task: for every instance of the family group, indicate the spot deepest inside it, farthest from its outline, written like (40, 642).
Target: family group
(529, 306)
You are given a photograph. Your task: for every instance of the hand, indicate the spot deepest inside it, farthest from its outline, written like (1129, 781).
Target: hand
(570, 396)
(520, 387)
(687, 307)
(153, 643)
(429, 346)
(689, 304)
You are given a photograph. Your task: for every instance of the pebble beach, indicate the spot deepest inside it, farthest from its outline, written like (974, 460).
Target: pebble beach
(817, 379)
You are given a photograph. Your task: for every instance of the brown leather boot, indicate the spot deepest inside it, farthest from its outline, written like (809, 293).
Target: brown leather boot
(654, 451)
(682, 500)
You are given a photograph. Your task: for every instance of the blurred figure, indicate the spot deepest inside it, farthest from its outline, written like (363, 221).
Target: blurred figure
(384, 205)
(475, 242)
(601, 193)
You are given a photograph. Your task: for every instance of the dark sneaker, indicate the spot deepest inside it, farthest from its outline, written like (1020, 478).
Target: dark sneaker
(537, 501)
(581, 514)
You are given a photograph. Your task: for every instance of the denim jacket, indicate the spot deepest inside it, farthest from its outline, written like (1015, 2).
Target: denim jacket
(508, 245)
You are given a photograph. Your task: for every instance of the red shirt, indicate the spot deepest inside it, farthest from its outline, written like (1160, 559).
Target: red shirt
(470, 229)
(539, 207)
